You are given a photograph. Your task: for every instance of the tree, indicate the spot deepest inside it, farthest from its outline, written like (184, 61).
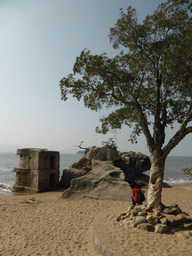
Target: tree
(149, 86)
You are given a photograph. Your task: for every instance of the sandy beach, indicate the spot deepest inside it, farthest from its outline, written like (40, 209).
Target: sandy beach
(45, 224)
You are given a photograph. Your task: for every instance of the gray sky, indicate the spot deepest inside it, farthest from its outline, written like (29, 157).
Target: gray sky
(40, 40)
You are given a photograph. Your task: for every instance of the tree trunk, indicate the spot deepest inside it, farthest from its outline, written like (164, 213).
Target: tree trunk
(155, 182)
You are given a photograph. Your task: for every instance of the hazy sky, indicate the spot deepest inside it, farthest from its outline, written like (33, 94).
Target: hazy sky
(39, 42)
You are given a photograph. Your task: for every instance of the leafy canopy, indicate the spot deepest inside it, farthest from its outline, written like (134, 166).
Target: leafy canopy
(150, 80)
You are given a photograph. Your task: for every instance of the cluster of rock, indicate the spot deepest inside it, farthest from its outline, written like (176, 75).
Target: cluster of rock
(104, 173)
(159, 220)
(188, 171)
(132, 163)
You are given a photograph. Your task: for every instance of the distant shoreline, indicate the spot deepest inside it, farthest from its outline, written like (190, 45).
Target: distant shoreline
(82, 151)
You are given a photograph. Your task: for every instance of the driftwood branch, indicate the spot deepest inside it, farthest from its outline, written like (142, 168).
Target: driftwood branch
(80, 146)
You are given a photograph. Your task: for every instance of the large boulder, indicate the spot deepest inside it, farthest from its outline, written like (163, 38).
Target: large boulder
(132, 172)
(104, 181)
(84, 165)
(141, 161)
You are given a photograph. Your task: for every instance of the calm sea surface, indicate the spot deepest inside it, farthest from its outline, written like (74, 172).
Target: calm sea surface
(173, 173)
(10, 160)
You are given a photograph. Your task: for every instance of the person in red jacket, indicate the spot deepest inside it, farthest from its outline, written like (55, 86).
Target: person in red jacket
(135, 190)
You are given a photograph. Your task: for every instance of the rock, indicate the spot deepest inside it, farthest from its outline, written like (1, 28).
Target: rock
(84, 165)
(131, 217)
(132, 173)
(137, 159)
(104, 181)
(172, 210)
(93, 151)
(153, 220)
(172, 220)
(125, 220)
(182, 217)
(139, 208)
(160, 222)
(156, 212)
(146, 227)
(128, 214)
(189, 219)
(141, 179)
(69, 174)
(120, 215)
(83, 162)
(123, 217)
(134, 212)
(133, 166)
(161, 228)
(142, 214)
(130, 208)
(173, 205)
(148, 209)
(187, 226)
(164, 220)
(102, 154)
(140, 219)
(131, 223)
(161, 207)
(111, 154)
(187, 171)
(176, 210)
(167, 210)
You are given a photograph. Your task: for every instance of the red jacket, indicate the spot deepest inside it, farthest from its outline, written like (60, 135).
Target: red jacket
(135, 195)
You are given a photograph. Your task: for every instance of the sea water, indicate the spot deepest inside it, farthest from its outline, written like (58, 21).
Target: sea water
(10, 160)
(173, 174)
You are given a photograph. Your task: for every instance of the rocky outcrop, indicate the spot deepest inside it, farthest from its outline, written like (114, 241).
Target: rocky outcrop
(105, 173)
(136, 159)
(133, 165)
(104, 181)
(188, 171)
(84, 165)
(167, 219)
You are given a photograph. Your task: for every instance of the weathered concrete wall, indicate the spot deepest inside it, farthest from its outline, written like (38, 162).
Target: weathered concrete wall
(38, 170)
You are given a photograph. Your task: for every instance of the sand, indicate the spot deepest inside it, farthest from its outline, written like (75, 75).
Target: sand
(45, 224)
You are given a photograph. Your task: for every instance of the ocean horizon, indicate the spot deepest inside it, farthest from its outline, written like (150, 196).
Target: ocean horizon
(173, 169)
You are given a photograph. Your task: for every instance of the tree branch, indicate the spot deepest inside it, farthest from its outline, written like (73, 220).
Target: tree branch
(187, 119)
(144, 127)
(179, 135)
(79, 146)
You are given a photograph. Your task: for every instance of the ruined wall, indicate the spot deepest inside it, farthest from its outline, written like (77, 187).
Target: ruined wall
(38, 170)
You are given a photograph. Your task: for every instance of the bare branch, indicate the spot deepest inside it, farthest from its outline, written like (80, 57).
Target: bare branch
(79, 146)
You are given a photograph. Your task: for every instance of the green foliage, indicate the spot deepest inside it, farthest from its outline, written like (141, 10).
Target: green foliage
(110, 143)
(150, 80)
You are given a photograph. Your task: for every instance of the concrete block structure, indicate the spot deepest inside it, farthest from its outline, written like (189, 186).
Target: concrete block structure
(38, 170)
